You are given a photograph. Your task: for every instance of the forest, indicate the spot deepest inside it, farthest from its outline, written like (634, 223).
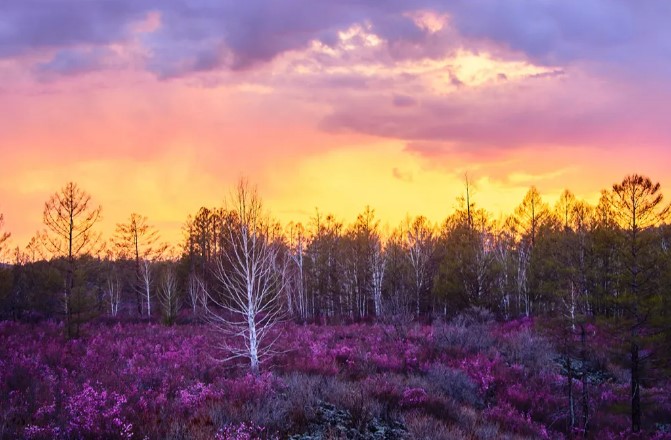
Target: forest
(551, 322)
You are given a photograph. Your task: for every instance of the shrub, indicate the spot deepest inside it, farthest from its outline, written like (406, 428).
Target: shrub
(454, 383)
(301, 394)
(95, 412)
(351, 397)
(530, 350)
(242, 431)
(143, 380)
(465, 334)
(422, 426)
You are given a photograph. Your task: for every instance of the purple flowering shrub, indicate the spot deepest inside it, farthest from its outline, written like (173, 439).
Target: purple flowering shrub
(464, 379)
(241, 431)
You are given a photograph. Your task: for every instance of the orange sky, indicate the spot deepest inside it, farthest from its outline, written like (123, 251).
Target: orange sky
(365, 117)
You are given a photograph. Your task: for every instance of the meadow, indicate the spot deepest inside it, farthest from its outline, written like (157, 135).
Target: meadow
(469, 378)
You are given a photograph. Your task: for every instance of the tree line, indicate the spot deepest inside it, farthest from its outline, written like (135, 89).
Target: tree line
(242, 271)
(575, 259)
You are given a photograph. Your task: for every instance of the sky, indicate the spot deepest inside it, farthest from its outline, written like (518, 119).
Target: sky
(159, 107)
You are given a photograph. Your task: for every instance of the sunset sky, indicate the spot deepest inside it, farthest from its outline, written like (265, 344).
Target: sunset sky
(158, 107)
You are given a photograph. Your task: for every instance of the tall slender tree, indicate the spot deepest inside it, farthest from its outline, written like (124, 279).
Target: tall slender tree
(639, 211)
(397, 283)
(362, 242)
(378, 263)
(419, 242)
(297, 299)
(70, 217)
(4, 236)
(466, 272)
(605, 236)
(572, 246)
(137, 240)
(168, 294)
(527, 223)
(324, 267)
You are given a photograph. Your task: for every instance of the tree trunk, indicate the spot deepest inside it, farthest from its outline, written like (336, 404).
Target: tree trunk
(147, 289)
(635, 387)
(253, 347)
(138, 294)
(69, 281)
(571, 406)
(583, 377)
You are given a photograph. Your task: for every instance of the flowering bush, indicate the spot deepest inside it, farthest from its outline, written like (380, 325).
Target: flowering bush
(138, 380)
(242, 431)
(95, 412)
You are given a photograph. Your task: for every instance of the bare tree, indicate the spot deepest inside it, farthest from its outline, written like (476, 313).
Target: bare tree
(379, 267)
(138, 240)
(168, 295)
(113, 294)
(34, 250)
(248, 302)
(145, 276)
(505, 259)
(70, 218)
(196, 294)
(419, 242)
(297, 300)
(4, 236)
(466, 199)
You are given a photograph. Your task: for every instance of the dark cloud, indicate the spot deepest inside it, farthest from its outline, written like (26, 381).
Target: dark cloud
(254, 32)
(29, 25)
(615, 32)
(207, 34)
(73, 62)
(210, 34)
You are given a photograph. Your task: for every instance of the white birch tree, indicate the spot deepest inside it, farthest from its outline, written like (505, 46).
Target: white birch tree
(196, 294)
(419, 242)
(168, 295)
(113, 294)
(145, 276)
(247, 304)
(379, 267)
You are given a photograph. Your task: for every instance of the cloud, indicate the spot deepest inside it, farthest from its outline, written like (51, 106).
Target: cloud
(440, 76)
(404, 101)
(538, 111)
(618, 33)
(34, 25)
(70, 62)
(230, 34)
